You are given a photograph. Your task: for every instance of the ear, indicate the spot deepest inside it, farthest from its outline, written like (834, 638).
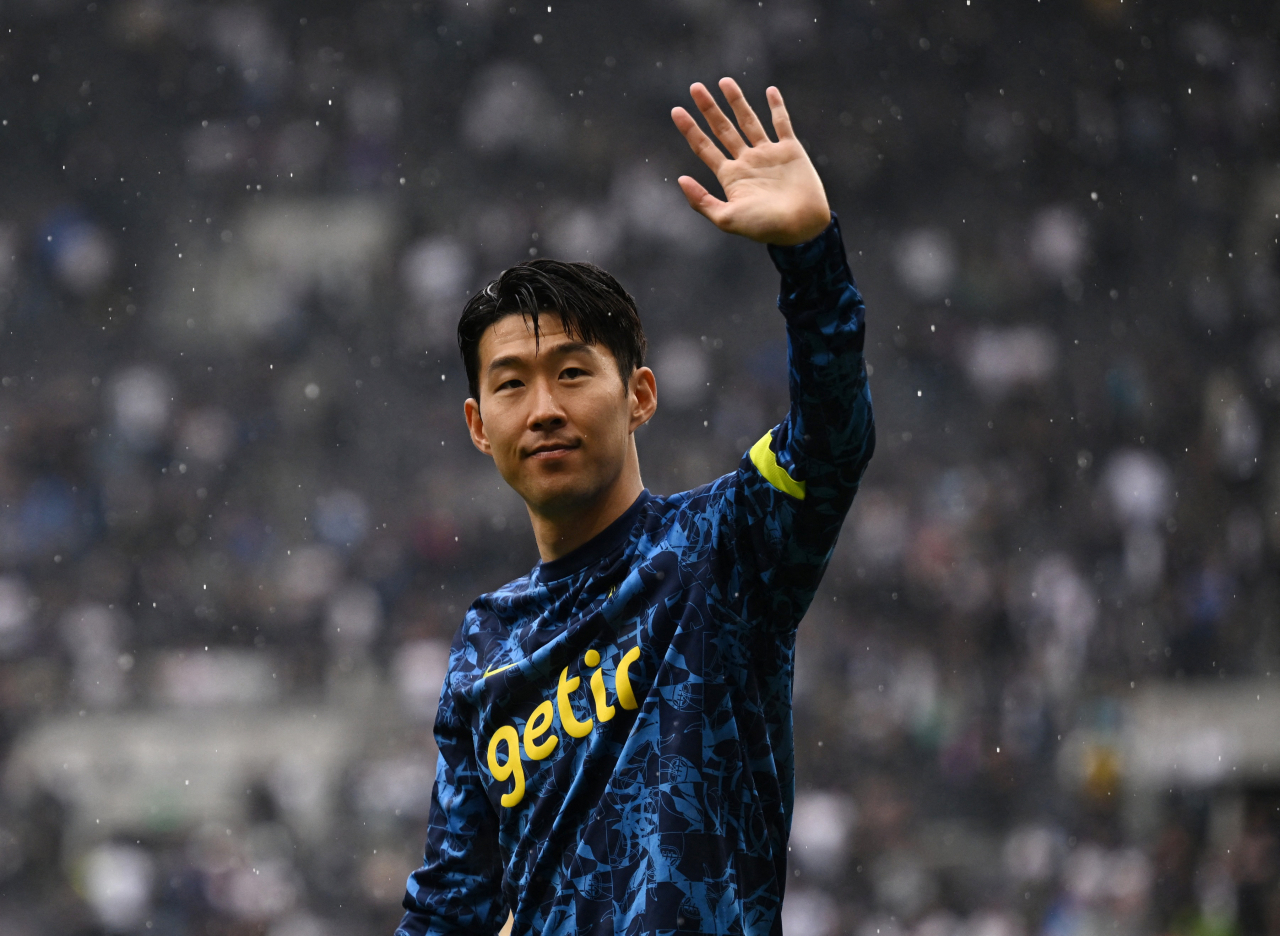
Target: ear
(643, 394)
(475, 425)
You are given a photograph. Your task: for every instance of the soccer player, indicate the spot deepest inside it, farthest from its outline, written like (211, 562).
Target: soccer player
(616, 751)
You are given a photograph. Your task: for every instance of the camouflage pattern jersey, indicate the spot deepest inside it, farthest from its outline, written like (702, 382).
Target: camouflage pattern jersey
(615, 733)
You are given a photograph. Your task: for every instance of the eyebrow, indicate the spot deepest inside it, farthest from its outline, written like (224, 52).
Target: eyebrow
(513, 360)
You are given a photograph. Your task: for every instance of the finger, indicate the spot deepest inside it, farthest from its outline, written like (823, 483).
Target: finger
(702, 201)
(720, 125)
(698, 141)
(778, 110)
(751, 126)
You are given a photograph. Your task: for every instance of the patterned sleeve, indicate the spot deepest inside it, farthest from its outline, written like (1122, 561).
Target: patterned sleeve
(794, 487)
(458, 889)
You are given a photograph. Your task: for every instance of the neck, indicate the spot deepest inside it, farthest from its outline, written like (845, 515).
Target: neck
(559, 534)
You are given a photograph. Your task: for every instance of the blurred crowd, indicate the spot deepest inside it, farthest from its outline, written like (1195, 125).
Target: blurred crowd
(240, 518)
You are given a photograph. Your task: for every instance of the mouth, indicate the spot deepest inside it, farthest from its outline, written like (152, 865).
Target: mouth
(552, 450)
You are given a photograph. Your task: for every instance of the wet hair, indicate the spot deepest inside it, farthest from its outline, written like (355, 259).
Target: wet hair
(592, 305)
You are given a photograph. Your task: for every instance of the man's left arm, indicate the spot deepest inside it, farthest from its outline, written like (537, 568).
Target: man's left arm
(792, 491)
(795, 485)
(818, 453)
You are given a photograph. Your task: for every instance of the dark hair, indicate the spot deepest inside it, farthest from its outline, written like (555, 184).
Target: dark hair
(592, 305)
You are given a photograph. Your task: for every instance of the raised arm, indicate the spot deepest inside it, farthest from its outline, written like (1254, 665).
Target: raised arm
(772, 192)
(788, 499)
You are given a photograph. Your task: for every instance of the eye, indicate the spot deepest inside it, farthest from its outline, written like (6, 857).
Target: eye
(572, 373)
(511, 384)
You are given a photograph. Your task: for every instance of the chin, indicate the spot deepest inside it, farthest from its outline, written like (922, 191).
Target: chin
(560, 495)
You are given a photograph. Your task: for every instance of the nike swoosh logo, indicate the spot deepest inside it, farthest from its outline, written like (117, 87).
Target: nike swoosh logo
(490, 672)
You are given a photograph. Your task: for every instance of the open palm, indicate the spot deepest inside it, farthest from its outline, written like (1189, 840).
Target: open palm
(772, 192)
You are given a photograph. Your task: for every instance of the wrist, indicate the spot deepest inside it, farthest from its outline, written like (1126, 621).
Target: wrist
(809, 228)
(824, 249)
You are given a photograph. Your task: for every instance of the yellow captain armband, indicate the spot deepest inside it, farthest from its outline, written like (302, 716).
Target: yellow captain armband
(766, 462)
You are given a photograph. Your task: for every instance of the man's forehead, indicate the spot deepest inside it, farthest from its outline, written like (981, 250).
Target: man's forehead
(514, 334)
(518, 325)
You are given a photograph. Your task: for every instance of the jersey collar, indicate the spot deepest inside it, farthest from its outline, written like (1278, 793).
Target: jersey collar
(596, 548)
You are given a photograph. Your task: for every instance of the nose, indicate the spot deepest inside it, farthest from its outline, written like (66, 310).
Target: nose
(546, 413)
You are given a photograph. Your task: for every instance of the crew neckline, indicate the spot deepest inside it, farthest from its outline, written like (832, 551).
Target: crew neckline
(595, 548)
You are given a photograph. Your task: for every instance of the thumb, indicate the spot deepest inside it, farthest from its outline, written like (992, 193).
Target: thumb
(702, 201)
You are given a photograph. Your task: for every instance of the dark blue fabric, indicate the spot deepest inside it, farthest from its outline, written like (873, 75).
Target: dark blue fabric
(672, 815)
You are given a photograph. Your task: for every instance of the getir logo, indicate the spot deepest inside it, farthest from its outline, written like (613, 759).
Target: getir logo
(539, 740)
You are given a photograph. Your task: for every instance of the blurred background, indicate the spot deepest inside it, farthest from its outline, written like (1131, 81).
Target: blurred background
(240, 518)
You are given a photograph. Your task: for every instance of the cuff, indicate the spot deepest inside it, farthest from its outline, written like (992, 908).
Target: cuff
(804, 257)
(815, 274)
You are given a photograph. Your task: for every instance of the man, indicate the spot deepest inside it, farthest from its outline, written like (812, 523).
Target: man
(615, 736)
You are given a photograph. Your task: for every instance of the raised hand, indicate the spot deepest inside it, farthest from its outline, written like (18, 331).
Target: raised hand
(772, 192)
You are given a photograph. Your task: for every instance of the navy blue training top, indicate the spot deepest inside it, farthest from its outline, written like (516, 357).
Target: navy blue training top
(615, 734)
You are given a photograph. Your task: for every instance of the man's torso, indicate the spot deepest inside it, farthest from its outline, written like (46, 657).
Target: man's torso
(652, 725)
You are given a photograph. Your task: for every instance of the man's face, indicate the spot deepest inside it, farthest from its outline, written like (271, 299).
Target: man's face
(554, 414)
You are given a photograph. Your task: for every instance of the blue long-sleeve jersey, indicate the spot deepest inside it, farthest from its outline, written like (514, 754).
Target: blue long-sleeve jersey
(615, 733)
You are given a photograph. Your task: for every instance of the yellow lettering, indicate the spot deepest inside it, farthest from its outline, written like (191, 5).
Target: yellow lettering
(512, 768)
(622, 682)
(535, 728)
(604, 711)
(576, 729)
